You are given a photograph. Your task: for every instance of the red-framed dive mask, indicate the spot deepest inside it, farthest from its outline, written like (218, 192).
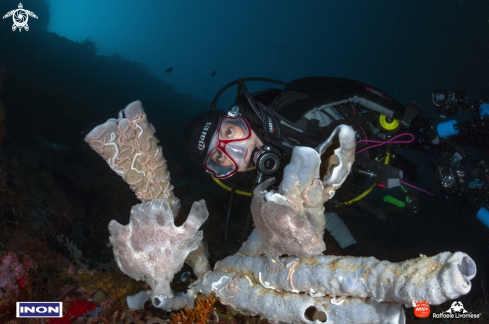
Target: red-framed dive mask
(227, 147)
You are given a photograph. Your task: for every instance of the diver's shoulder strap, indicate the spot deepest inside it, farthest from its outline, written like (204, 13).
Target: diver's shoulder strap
(285, 98)
(271, 126)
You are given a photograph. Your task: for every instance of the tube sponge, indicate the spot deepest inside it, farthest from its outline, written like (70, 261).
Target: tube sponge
(151, 247)
(439, 278)
(137, 301)
(129, 147)
(179, 301)
(340, 289)
(249, 296)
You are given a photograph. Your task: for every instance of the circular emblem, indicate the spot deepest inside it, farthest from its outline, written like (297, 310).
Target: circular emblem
(20, 17)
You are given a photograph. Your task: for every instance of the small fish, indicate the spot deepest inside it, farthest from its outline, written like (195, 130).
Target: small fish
(213, 73)
(169, 70)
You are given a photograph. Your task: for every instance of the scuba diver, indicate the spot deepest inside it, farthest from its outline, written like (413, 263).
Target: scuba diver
(253, 141)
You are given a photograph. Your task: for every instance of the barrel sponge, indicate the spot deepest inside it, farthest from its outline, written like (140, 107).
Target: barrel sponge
(151, 247)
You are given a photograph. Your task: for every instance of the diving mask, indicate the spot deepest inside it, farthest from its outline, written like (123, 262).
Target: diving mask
(227, 149)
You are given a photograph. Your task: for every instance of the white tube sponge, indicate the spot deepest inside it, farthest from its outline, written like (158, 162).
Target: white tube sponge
(442, 277)
(179, 301)
(129, 147)
(151, 247)
(250, 296)
(137, 301)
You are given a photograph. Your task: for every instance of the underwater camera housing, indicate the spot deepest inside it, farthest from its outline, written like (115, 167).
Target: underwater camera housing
(269, 160)
(268, 163)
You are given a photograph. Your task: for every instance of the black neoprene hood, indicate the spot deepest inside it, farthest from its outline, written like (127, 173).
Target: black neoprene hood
(198, 133)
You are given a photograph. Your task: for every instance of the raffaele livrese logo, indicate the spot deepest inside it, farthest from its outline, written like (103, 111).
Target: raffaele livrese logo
(456, 310)
(20, 17)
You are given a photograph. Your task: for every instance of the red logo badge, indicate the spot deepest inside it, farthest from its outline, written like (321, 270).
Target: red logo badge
(421, 308)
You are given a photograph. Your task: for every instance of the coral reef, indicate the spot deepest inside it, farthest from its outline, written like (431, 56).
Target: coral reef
(72, 311)
(15, 281)
(113, 284)
(99, 297)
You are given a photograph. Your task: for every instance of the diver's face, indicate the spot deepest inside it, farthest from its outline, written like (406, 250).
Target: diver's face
(248, 163)
(233, 148)
(250, 144)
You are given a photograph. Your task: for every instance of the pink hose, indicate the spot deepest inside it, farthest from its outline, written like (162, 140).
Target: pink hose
(414, 187)
(390, 141)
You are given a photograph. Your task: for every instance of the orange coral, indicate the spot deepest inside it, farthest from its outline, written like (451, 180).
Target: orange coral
(197, 315)
(206, 304)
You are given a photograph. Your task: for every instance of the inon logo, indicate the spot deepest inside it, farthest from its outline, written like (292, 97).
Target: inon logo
(39, 309)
